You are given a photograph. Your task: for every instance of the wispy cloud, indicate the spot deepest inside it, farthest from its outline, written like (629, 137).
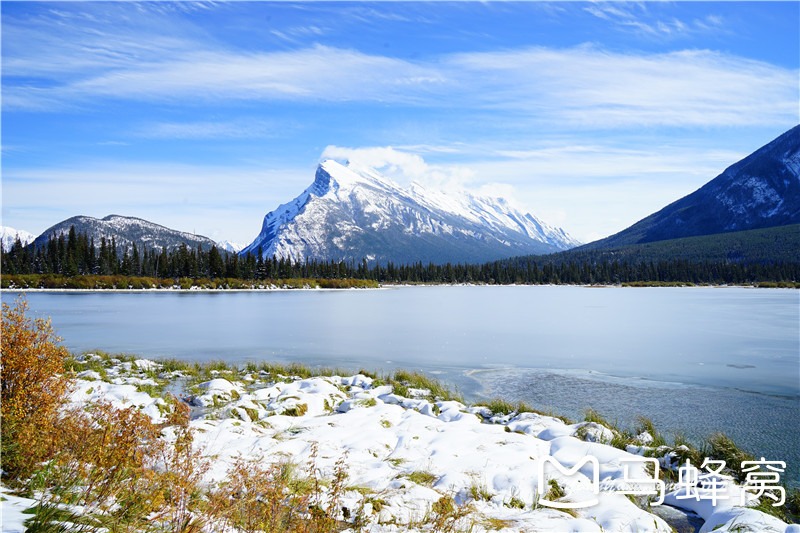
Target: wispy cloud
(635, 16)
(591, 128)
(113, 143)
(578, 164)
(298, 33)
(588, 86)
(233, 129)
(317, 73)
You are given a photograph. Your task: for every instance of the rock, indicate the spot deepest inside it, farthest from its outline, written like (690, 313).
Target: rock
(682, 521)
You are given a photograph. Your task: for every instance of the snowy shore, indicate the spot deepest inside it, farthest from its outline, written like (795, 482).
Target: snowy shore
(404, 453)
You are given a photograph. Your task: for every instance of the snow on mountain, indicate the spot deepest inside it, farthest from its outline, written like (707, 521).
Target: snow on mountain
(352, 212)
(10, 235)
(232, 247)
(126, 231)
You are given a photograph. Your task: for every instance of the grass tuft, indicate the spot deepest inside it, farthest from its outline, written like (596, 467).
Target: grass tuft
(720, 446)
(402, 380)
(645, 424)
(422, 477)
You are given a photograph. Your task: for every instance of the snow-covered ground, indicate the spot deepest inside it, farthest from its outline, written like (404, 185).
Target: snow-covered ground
(403, 453)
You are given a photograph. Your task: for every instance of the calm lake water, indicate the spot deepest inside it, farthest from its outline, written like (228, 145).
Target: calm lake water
(695, 360)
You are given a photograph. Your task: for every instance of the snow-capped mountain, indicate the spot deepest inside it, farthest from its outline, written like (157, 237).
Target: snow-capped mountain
(126, 231)
(8, 236)
(353, 212)
(231, 247)
(760, 191)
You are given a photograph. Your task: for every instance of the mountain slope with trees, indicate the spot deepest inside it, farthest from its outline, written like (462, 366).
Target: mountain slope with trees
(761, 246)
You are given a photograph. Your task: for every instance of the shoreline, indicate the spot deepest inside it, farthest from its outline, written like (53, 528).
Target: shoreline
(410, 442)
(385, 286)
(186, 291)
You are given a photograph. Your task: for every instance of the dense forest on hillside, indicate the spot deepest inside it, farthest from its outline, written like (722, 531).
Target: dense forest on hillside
(76, 255)
(779, 244)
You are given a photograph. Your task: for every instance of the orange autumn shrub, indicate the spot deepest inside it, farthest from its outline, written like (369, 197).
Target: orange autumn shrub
(33, 389)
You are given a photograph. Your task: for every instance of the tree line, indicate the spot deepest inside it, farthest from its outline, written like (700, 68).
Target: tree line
(75, 254)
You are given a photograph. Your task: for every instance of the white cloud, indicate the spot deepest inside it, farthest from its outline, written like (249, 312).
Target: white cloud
(402, 166)
(477, 109)
(387, 159)
(500, 190)
(298, 33)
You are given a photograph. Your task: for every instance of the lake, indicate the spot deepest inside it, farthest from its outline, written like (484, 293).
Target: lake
(695, 360)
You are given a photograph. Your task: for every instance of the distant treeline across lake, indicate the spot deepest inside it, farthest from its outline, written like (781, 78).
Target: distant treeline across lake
(74, 255)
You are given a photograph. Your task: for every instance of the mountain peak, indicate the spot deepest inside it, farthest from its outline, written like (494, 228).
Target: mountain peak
(352, 211)
(331, 173)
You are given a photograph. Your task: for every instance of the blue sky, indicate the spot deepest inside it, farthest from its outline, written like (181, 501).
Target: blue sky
(205, 116)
